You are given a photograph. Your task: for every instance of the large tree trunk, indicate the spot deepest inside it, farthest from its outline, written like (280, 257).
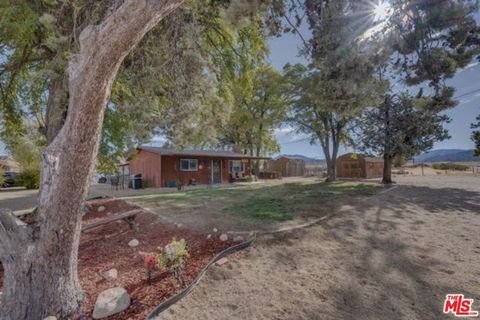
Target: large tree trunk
(335, 128)
(257, 162)
(331, 171)
(387, 158)
(324, 138)
(387, 169)
(41, 269)
(57, 105)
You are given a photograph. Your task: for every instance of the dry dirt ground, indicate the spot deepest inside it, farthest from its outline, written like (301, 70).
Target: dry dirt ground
(393, 256)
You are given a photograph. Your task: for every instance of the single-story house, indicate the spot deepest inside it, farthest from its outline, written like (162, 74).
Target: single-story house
(287, 166)
(354, 165)
(162, 167)
(7, 164)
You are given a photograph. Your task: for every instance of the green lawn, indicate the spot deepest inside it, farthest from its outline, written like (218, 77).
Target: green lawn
(263, 202)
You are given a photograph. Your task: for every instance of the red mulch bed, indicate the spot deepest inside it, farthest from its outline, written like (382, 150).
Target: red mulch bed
(107, 247)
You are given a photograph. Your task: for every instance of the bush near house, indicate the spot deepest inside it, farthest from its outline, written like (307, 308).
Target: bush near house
(2, 178)
(26, 151)
(29, 178)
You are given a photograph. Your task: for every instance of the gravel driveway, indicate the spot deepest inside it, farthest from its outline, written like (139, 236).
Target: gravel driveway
(395, 256)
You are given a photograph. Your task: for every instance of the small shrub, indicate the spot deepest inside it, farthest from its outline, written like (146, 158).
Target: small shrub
(399, 161)
(2, 178)
(251, 178)
(172, 258)
(150, 264)
(29, 178)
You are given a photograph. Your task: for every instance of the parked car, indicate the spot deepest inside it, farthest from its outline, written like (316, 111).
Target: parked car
(102, 179)
(10, 179)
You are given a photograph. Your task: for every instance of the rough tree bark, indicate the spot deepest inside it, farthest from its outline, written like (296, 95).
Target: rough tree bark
(332, 130)
(40, 261)
(387, 169)
(387, 157)
(57, 105)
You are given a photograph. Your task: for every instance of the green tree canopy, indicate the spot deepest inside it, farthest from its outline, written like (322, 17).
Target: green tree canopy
(338, 84)
(401, 127)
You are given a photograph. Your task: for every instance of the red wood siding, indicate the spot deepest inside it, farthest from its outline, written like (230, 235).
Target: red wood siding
(358, 167)
(158, 171)
(149, 165)
(171, 170)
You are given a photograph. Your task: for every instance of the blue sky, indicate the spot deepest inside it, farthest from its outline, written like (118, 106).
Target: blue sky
(285, 49)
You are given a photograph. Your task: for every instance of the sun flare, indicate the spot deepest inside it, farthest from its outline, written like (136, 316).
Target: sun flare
(382, 11)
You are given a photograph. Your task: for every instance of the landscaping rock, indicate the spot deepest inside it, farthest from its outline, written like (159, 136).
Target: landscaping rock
(133, 243)
(101, 208)
(215, 230)
(50, 318)
(239, 239)
(110, 302)
(110, 275)
(223, 237)
(209, 236)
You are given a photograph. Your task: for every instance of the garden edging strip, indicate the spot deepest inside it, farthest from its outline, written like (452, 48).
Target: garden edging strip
(166, 304)
(174, 299)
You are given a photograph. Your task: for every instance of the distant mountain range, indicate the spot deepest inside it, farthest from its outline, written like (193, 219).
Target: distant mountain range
(307, 160)
(447, 155)
(440, 155)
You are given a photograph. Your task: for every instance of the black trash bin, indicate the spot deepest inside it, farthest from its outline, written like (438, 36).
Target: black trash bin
(137, 181)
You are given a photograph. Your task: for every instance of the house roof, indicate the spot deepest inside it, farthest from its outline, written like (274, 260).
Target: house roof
(366, 157)
(7, 161)
(199, 153)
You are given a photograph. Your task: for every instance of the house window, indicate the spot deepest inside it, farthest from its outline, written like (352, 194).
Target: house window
(235, 166)
(188, 165)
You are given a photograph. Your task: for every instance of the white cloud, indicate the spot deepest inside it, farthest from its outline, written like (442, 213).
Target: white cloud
(463, 101)
(284, 130)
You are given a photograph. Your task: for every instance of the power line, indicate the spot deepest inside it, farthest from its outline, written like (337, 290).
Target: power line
(467, 93)
(295, 141)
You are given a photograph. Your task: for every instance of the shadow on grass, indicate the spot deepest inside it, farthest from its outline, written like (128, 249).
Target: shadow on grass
(266, 202)
(276, 190)
(284, 202)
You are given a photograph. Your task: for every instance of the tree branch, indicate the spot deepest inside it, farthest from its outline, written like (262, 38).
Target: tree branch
(14, 235)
